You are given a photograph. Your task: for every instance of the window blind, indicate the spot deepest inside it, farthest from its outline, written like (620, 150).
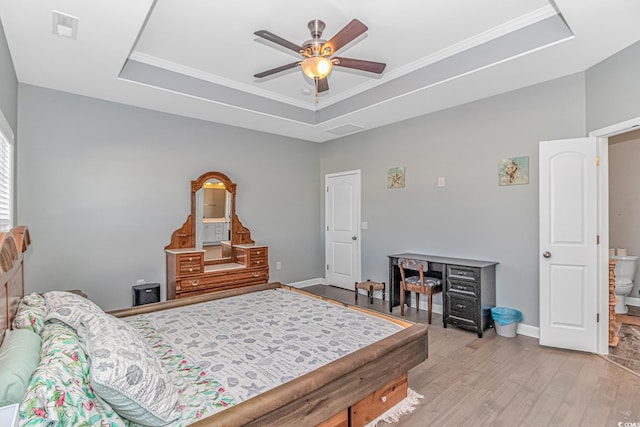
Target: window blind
(6, 174)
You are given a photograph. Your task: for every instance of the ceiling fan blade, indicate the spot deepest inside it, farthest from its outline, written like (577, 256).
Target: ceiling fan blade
(278, 40)
(352, 30)
(359, 64)
(322, 85)
(276, 70)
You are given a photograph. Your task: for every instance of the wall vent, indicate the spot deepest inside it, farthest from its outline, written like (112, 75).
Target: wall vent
(345, 129)
(64, 25)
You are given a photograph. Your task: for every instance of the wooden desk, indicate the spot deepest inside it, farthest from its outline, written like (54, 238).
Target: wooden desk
(468, 288)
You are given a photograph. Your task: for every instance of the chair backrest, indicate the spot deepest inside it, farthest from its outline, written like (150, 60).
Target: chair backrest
(412, 264)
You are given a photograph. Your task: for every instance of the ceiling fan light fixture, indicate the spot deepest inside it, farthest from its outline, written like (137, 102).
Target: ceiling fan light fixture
(317, 66)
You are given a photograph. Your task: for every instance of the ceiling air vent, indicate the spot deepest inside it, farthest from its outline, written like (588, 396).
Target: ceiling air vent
(345, 129)
(64, 25)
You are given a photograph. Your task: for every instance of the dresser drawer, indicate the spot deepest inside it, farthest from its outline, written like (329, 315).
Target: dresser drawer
(462, 286)
(462, 311)
(462, 307)
(224, 280)
(258, 258)
(461, 272)
(189, 264)
(253, 257)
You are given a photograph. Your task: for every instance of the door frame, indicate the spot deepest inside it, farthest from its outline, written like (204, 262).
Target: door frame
(358, 272)
(602, 148)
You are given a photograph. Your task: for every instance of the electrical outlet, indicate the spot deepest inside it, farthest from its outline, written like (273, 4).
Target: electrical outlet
(441, 181)
(278, 265)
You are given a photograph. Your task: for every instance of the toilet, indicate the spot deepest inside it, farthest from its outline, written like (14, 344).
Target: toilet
(625, 272)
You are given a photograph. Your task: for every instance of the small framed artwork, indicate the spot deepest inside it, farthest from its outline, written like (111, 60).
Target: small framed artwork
(513, 170)
(395, 178)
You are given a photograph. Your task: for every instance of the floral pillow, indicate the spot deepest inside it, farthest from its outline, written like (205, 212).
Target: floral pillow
(31, 313)
(69, 308)
(59, 393)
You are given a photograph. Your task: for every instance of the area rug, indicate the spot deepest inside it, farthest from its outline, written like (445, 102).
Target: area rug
(627, 353)
(405, 406)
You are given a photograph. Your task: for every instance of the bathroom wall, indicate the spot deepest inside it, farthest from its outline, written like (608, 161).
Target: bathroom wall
(624, 202)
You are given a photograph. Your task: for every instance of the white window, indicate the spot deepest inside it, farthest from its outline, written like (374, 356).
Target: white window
(6, 175)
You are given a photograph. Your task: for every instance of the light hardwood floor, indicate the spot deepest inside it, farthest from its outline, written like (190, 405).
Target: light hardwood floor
(497, 381)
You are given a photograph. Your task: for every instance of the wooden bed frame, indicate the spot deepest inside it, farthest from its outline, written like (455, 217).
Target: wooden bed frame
(326, 396)
(13, 244)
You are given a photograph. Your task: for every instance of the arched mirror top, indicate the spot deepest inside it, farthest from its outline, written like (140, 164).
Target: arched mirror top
(192, 233)
(208, 176)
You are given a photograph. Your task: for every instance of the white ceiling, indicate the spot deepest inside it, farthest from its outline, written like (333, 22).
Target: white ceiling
(197, 58)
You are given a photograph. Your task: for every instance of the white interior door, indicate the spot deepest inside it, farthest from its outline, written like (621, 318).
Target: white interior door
(342, 239)
(568, 244)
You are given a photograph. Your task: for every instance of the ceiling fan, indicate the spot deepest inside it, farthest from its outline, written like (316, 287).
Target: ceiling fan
(317, 53)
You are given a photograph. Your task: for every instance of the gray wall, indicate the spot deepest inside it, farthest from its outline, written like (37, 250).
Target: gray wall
(613, 89)
(102, 186)
(471, 217)
(8, 84)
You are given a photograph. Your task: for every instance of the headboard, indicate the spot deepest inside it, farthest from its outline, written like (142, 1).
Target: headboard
(13, 244)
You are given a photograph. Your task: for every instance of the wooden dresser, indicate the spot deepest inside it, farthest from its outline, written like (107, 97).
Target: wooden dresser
(197, 264)
(188, 275)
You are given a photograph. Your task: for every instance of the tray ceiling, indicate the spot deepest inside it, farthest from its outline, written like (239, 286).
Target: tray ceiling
(197, 59)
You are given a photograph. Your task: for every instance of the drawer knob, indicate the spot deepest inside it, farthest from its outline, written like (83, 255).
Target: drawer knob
(190, 258)
(258, 252)
(195, 282)
(258, 262)
(462, 288)
(460, 306)
(191, 269)
(256, 274)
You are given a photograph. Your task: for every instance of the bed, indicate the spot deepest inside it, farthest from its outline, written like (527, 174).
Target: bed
(346, 391)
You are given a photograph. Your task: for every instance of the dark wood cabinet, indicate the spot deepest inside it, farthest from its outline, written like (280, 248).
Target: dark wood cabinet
(469, 294)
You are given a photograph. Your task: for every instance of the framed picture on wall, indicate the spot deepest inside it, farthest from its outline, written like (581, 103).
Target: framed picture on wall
(395, 178)
(513, 170)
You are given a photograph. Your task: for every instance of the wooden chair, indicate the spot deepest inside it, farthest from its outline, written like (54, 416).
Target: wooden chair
(418, 284)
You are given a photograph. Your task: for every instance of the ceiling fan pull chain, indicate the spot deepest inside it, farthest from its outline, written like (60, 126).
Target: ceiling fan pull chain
(316, 82)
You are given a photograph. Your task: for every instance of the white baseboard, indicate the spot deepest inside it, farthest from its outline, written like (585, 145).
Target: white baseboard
(528, 330)
(305, 283)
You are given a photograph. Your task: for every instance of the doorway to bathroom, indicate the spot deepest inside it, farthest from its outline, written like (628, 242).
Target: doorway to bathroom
(624, 215)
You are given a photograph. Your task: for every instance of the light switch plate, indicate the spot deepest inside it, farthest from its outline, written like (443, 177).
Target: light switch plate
(364, 225)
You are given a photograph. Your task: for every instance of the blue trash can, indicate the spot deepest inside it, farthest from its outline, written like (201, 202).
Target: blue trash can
(506, 321)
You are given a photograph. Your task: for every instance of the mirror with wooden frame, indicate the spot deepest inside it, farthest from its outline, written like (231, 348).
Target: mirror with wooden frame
(213, 225)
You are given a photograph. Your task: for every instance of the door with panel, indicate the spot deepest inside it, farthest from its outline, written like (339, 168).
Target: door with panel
(568, 244)
(342, 235)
